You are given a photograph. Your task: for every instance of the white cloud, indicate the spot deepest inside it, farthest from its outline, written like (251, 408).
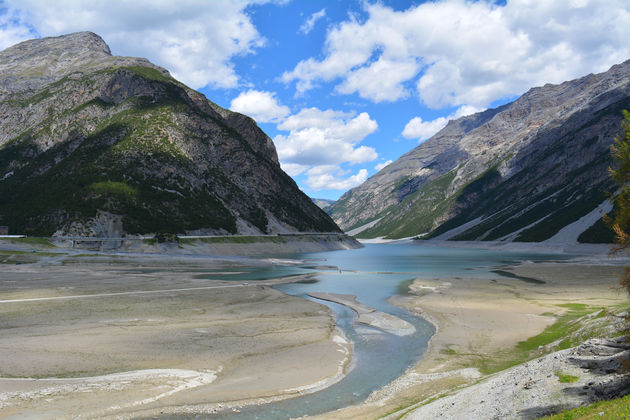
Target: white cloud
(327, 137)
(335, 124)
(381, 80)
(10, 32)
(382, 165)
(195, 40)
(416, 128)
(260, 105)
(319, 141)
(293, 169)
(311, 21)
(460, 52)
(329, 177)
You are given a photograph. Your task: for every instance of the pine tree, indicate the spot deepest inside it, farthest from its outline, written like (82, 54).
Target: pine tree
(621, 174)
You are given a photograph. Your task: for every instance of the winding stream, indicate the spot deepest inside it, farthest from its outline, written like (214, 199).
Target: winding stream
(373, 274)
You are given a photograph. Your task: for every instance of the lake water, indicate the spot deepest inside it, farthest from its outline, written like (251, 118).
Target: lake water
(373, 274)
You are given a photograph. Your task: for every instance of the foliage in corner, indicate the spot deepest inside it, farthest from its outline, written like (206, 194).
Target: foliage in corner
(620, 173)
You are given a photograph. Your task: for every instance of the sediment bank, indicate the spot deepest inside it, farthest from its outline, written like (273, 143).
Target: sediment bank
(109, 336)
(369, 316)
(480, 325)
(230, 245)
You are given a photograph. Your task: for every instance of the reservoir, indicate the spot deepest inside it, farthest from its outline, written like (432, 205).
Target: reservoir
(374, 274)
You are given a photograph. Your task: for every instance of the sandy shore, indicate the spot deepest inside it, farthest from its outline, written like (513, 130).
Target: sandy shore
(107, 336)
(113, 336)
(595, 253)
(479, 322)
(490, 315)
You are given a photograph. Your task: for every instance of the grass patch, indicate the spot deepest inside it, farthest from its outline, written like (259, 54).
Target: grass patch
(113, 188)
(564, 325)
(417, 212)
(45, 254)
(614, 409)
(236, 239)
(574, 306)
(23, 257)
(403, 287)
(573, 327)
(560, 332)
(149, 73)
(32, 241)
(565, 378)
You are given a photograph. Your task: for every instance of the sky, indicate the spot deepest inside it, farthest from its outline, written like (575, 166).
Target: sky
(345, 87)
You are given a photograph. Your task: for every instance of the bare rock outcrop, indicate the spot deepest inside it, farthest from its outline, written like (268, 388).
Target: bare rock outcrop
(85, 133)
(537, 388)
(521, 171)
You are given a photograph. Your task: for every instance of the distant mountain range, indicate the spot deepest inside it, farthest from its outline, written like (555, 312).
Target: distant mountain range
(322, 203)
(532, 170)
(95, 144)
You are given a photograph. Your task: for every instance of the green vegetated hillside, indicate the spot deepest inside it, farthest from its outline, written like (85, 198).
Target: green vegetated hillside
(95, 144)
(520, 172)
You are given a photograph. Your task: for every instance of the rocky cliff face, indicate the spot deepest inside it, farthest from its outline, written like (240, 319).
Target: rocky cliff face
(92, 143)
(520, 172)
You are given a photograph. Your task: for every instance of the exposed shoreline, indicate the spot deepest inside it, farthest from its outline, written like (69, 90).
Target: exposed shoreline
(463, 310)
(78, 323)
(228, 245)
(596, 251)
(475, 323)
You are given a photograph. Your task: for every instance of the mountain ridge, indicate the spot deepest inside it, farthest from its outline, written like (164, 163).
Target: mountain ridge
(91, 142)
(501, 166)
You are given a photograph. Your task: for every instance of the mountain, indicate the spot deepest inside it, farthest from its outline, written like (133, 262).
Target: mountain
(322, 202)
(532, 170)
(95, 144)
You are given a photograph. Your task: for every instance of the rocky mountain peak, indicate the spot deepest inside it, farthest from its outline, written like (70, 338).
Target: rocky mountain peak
(85, 133)
(521, 172)
(78, 43)
(34, 63)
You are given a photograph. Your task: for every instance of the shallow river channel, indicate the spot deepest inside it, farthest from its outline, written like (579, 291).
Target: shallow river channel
(373, 274)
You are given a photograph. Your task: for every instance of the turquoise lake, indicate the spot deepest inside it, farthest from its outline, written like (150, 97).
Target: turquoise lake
(373, 273)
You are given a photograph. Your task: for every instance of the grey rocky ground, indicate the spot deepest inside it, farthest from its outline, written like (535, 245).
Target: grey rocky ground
(534, 389)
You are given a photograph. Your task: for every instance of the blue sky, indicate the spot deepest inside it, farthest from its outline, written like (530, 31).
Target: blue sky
(343, 87)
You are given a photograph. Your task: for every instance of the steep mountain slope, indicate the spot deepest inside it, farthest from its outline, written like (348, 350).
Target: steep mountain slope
(97, 144)
(519, 172)
(322, 203)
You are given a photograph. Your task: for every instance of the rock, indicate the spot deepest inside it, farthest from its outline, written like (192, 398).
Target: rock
(94, 144)
(511, 173)
(504, 394)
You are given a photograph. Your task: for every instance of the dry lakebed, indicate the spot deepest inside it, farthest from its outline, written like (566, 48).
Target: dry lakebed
(99, 335)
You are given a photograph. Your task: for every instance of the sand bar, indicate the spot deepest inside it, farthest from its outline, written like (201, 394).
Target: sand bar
(369, 316)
